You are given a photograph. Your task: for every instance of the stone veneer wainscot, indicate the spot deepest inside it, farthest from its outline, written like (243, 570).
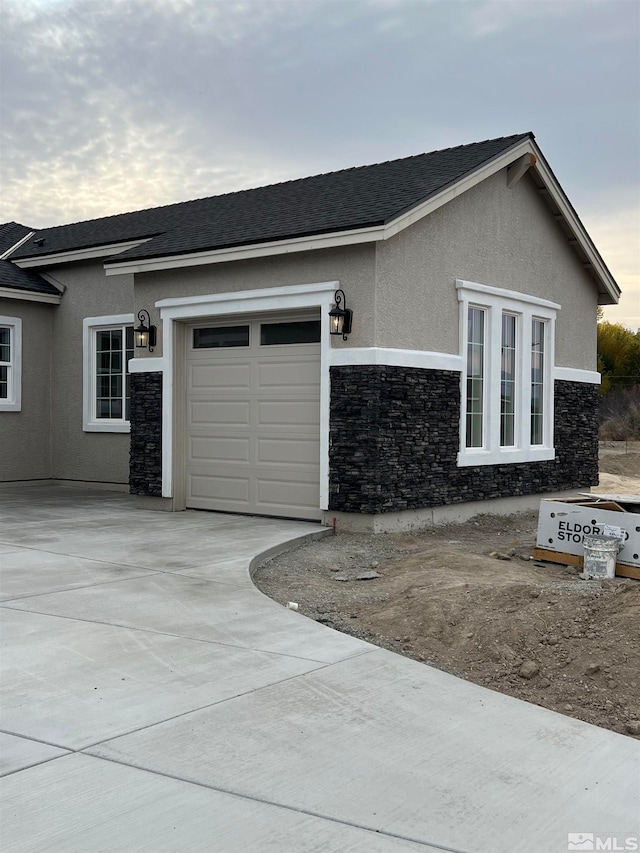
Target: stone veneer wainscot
(145, 455)
(394, 439)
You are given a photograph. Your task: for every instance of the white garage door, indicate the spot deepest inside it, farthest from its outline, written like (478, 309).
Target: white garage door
(253, 416)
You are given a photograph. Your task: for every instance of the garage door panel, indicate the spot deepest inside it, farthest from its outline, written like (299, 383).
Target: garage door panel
(206, 376)
(283, 495)
(282, 373)
(220, 487)
(204, 449)
(219, 412)
(288, 412)
(288, 450)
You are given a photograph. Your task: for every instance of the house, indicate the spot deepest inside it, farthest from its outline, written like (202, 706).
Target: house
(469, 374)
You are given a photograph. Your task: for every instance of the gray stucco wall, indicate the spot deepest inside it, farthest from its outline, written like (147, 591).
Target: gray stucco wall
(491, 235)
(79, 455)
(352, 266)
(25, 435)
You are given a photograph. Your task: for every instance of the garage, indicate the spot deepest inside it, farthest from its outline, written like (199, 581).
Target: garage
(253, 416)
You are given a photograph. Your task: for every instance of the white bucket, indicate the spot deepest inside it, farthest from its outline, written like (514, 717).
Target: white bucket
(600, 556)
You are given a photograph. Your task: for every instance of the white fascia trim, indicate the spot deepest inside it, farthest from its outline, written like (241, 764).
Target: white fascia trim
(396, 358)
(557, 194)
(503, 293)
(268, 293)
(77, 255)
(243, 253)
(14, 401)
(325, 241)
(89, 423)
(16, 246)
(29, 296)
(318, 295)
(575, 374)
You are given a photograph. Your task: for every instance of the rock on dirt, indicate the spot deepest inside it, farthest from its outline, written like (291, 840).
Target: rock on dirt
(528, 669)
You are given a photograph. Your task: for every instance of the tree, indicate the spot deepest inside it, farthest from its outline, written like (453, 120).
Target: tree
(618, 357)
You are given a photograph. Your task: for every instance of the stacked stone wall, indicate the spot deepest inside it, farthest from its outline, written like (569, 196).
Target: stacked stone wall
(394, 439)
(145, 454)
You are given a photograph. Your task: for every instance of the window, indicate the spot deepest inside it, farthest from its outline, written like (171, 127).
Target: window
(222, 336)
(294, 332)
(507, 396)
(108, 346)
(10, 364)
(537, 382)
(508, 381)
(475, 377)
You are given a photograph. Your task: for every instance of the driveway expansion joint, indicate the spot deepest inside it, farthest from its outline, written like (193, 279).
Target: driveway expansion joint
(278, 805)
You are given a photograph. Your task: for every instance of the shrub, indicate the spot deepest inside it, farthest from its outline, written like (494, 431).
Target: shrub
(619, 415)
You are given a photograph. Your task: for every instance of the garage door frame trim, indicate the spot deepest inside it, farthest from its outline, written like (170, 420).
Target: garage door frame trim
(218, 305)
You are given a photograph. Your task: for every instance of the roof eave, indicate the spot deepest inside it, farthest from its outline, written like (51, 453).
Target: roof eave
(74, 255)
(29, 295)
(608, 290)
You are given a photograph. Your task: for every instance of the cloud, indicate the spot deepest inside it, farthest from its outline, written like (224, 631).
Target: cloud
(617, 237)
(109, 105)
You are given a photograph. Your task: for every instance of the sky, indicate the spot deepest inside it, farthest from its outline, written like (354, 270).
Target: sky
(115, 105)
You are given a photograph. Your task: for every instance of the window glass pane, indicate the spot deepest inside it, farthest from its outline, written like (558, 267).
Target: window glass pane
(4, 383)
(508, 381)
(5, 344)
(102, 408)
(227, 336)
(103, 341)
(475, 377)
(537, 381)
(116, 386)
(104, 362)
(298, 332)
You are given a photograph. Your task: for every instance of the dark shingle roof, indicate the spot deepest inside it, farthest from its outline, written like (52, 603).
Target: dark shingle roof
(338, 201)
(10, 275)
(10, 234)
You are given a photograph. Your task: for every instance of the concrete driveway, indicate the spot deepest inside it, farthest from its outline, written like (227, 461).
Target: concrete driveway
(154, 700)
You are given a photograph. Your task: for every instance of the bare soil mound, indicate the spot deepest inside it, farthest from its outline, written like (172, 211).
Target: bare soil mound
(470, 600)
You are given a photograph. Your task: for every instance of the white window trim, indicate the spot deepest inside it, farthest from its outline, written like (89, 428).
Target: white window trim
(13, 402)
(494, 301)
(91, 325)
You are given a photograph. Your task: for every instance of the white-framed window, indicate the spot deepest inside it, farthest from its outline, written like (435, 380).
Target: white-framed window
(107, 344)
(507, 343)
(10, 364)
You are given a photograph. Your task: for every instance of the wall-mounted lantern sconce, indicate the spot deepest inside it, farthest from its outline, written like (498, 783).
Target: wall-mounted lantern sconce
(145, 333)
(340, 317)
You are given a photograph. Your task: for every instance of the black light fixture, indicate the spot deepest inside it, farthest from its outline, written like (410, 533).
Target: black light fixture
(340, 317)
(145, 333)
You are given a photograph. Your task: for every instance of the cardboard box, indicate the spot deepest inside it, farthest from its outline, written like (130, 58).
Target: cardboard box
(562, 526)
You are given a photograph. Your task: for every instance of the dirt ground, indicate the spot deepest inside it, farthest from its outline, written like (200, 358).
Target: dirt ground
(471, 600)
